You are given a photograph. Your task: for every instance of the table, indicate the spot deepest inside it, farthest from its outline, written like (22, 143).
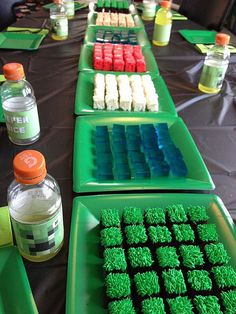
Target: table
(52, 71)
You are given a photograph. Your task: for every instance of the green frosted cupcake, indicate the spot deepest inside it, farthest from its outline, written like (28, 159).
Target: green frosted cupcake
(153, 306)
(140, 257)
(191, 255)
(110, 217)
(159, 234)
(111, 237)
(207, 305)
(174, 281)
(114, 259)
(183, 233)
(197, 213)
(207, 232)
(117, 285)
(229, 301)
(155, 216)
(135, 234)
(225, 276)
(167, 257)
(132, 216)
(124, 306)
(199, 280)
(176, 213)
(180, 305)
(216, 253)
(147, 283)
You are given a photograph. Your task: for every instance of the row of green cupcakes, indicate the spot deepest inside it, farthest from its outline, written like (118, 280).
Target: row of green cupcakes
(147, 284)
(158, 235)
(154, 216)
(167, 257)
(179, 305)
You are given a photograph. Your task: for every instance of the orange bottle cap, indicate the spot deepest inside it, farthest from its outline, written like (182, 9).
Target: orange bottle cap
(13, 71)
(29, 167)
(222, 39)
(165, 4)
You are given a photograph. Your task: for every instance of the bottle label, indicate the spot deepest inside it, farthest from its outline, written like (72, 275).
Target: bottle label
(60, 27)
(162, 33)
(70, 8)
(39, 239)
(212, 77)
(22, 125)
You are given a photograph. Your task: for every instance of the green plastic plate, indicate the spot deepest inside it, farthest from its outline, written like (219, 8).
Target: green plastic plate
(86, 56)
(21, 41)
(93, 15)
(85, 88)
(198, 36)
(90, 36)
(84, 179)
(85, 282)
(78, 6)
(15, 293)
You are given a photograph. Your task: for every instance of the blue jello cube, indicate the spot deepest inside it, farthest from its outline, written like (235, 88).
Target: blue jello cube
(132, 129)
(118, 128)
(121, 158)
(101, 130)
(137, 157)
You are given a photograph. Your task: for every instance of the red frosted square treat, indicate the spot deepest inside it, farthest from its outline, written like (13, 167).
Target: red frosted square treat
(118, 55)
(98, 63)
(128, 48)
(138, 55)
(98, 45)
(130, 65)
(118, 65)
(141, 65)
(108, 55)
(137, 49)
(118, 46)
(108, 45)
(107, 64)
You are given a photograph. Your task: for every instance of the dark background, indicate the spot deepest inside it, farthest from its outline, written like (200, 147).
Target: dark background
(52, 71)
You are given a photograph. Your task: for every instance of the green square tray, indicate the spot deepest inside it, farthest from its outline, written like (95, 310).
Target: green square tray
(21, 41)
(198, 36)
(137, 21)
(84, 179)
(86, 56)
(85, 89)
(78, 6)
(15, 293)
(90, 35)
(85, 282)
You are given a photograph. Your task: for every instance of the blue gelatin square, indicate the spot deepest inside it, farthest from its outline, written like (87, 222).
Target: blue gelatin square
(137, 157)
(101, 130)
(118, 128)
(132, 129)
(119, 147)
(121, 158)
(103, 148)
(133, 145)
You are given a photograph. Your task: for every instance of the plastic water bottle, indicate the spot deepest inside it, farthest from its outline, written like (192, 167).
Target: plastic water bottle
(70, 8)
(215, 65)
(35, 207)
(163, 24)
(19, 106)
(149, 10)
(59, 20)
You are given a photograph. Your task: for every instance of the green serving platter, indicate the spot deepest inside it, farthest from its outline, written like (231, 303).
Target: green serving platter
(90, 35)
(20, 41)
(84, 179)
(92, 16)
(86, 57)
(15, 292)
(85, 278)
(85, 89)
(198, 36)
(78, 6)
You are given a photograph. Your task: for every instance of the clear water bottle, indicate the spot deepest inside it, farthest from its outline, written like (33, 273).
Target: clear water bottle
(149, 10)
(59, 20)
(19, 106)
(35, 207)
(215, 65)
(70, 8)
(163, 24)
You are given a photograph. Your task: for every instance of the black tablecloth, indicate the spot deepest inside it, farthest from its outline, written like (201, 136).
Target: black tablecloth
(52, 70)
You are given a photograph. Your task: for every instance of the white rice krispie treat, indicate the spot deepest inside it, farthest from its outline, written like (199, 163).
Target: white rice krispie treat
(129, 20)
(99, 19)
(111, 97)
(125, 92)
(150, 93)
(139, 99)
(99, 91)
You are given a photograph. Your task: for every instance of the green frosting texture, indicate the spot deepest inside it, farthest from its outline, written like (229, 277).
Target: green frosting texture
(155, 216)
(147, 283)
